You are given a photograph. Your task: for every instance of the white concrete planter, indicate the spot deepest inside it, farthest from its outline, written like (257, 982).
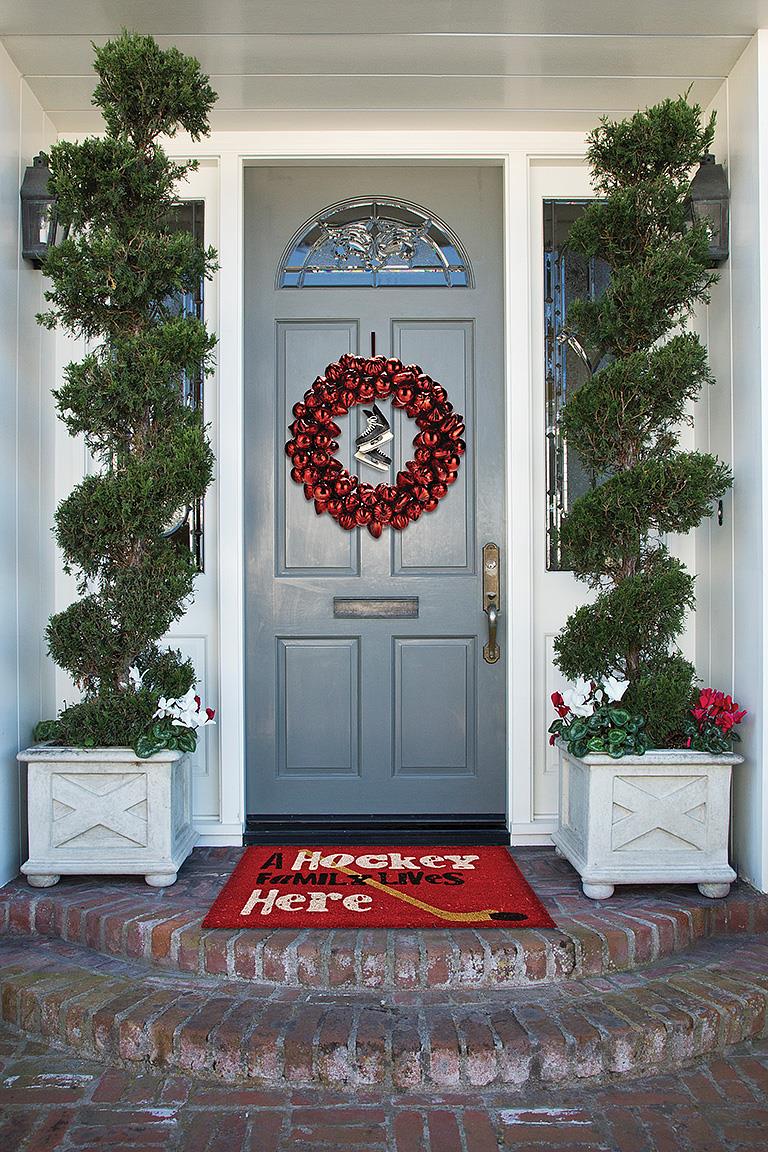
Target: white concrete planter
(661, 818)
(103, 810)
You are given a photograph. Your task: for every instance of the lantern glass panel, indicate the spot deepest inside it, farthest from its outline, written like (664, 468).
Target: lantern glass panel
(710, 213)
(35, 228)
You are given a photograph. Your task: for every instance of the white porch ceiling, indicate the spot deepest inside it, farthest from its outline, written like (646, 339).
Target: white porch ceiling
(279, 64)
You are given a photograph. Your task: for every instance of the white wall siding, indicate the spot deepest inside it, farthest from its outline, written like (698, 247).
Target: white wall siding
(741, 356)
(731, 585)
(24, 381)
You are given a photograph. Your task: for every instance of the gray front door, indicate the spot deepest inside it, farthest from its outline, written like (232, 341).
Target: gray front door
(372, 717)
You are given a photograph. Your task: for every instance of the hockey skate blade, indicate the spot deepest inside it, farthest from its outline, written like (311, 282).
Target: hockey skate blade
(373, 459)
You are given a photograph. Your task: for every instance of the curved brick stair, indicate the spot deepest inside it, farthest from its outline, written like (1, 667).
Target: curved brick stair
(648, 980)
(597, 1027)
(124, 918)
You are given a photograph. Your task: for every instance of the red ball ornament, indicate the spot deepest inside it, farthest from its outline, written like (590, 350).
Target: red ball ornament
(423, 481)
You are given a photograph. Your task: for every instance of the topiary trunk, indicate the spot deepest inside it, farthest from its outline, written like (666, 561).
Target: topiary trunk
(113, 281)
(623, 422)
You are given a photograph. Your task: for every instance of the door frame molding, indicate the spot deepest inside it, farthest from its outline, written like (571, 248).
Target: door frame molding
(515, 153)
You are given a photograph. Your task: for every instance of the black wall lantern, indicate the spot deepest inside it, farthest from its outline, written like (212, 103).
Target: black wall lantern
(39, 217)
(708, 204)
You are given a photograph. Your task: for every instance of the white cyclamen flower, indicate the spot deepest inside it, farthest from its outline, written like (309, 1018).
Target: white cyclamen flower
(135, 677)
(188, 702)
(164, 708)
(615, 688)
(185, 711)
(577, 698)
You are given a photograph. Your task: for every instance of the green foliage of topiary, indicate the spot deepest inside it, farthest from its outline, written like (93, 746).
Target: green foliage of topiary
(633, 407)
(113, 281)
(624, 421)
(663, 693)
(632, 620)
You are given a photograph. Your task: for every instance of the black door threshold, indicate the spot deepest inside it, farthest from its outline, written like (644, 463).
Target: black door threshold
(483, 828)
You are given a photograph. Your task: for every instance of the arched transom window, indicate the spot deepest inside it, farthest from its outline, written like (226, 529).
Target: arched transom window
(375, 243)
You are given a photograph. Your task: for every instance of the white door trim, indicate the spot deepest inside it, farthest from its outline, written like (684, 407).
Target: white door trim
(514, 152)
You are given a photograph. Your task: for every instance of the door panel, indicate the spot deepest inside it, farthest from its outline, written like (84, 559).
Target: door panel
(318, 706)
(304, 545)
(443, 543)
(372, 715)
(447, 744)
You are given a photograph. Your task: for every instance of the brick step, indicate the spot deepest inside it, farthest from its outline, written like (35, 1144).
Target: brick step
(596, 1028)
(162, 928)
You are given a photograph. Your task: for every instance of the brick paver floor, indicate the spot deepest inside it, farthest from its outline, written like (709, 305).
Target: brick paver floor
(53, 1102)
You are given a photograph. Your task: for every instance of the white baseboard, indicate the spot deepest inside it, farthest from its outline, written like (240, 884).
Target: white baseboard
(535, 832)
(214, 834)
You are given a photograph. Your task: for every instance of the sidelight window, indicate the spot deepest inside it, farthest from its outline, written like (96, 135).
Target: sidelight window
(186, 527)
(567, 276)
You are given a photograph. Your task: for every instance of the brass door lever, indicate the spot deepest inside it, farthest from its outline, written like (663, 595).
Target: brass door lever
(491, 600)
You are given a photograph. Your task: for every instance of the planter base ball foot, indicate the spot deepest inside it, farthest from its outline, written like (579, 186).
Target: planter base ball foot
(160, 879)
(559, 853)
(597, 891)
(714, 891)
(43, 880)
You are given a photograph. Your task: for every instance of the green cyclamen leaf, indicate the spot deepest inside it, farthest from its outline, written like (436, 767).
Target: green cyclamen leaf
(187, 741)
(146, 746)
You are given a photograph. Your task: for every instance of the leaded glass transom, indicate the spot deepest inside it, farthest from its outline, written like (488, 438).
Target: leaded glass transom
(375, 243)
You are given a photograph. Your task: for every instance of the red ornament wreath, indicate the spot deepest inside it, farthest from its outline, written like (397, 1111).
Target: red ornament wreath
(423, 482)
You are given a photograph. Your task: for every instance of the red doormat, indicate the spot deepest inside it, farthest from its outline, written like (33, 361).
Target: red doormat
(377, 887)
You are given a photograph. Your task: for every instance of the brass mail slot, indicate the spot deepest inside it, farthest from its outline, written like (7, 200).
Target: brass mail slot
(383, 608)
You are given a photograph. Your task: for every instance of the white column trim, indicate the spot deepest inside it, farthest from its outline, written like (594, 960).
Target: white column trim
(230, 505)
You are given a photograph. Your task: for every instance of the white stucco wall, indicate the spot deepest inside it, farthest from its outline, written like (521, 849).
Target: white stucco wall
(25, 439)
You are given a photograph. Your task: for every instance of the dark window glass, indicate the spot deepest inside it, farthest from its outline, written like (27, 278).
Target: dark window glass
(567, 277)
(187, 528)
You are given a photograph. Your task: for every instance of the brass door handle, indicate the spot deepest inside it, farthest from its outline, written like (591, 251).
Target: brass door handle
(491, 651)
(491, 600)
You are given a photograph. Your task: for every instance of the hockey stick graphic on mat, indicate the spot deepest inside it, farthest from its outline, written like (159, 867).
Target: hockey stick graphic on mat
(442, 913)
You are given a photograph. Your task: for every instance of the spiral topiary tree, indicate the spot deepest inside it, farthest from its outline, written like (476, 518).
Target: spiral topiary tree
(113, 281)
(624, 421)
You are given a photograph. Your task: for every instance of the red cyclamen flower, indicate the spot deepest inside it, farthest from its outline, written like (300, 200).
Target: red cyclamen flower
(560, 705)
